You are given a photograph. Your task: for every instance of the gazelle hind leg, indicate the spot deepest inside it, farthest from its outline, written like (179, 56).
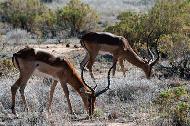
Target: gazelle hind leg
(14, 89)
(23, 97)
(22, 87)
(52, 89)
(21, 82)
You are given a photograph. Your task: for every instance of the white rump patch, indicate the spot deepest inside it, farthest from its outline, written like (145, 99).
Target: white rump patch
(36, 50)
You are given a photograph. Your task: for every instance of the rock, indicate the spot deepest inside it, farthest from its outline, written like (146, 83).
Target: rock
(67, 45)
(75, 46)
(174, 84)
(113, 115)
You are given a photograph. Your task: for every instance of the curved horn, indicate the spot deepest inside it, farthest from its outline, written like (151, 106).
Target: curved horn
(147, 44)
(158, 56)
(84, 80)
(105, 89)
(153, 61)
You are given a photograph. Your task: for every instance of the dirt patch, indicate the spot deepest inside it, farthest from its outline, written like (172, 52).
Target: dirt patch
(56, 48)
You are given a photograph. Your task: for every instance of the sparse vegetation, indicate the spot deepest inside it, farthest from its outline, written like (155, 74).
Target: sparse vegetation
(34, 16)
(21, 15)
(132, 100)
(174, 105)
(77, 17)
(6, 67)
(165, 17)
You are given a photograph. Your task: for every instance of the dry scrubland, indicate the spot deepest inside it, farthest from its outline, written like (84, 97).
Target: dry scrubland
(132, 100)
(128, 102)
(108, 10)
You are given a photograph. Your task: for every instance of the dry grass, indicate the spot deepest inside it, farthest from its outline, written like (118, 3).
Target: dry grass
(128, 102)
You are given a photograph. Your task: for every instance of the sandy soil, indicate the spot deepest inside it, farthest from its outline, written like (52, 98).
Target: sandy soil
(56, 49)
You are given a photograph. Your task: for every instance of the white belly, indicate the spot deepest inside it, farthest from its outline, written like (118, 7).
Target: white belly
(41, 74)
(46, 70)
(108, 48)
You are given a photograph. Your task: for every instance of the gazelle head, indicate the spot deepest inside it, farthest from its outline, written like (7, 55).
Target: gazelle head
(90, 97)
(150, 63)
(148, 67)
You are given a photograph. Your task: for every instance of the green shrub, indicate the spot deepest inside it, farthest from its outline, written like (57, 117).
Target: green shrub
(165, 17)
(21, 13)
(77, 17)
(175, 45)
(45, 23)
(168, 18)
(98, 112)
(5, 67)
(130, 26)
(2, 43)
(34, 16)
(174, 104)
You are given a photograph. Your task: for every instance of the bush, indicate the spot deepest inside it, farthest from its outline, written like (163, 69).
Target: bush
(5, 67)
(77, 17)
(166, 18)
(21, 13)
(130, 26)
(45, 24)
(34, 16)
(175, 45)
(31, 15)
(2, 43)
(174, 104)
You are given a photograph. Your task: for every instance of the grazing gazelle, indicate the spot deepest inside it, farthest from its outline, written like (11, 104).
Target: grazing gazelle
(118, 46)
(28, 60)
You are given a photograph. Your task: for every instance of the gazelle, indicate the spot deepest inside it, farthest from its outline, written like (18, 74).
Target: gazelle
(118, 46)
(28, 60)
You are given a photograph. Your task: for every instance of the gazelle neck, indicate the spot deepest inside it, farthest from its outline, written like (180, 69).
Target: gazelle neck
(75, 81)
(134, 59)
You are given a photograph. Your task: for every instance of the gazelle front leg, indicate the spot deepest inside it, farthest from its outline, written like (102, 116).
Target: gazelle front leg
(66, 92)
(21, 90)
(52, 89)
(91, 62)
(84, 61)
(88, 61)
(121, 60)
(115, 58)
